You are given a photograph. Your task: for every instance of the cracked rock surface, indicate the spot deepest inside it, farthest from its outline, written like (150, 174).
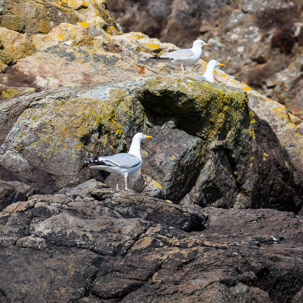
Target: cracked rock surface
(95, 244)
(73, 87)
(209, 148)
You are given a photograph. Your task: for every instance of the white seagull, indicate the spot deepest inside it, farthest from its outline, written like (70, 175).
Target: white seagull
(187, 56)
(122, 163)
(209, 73)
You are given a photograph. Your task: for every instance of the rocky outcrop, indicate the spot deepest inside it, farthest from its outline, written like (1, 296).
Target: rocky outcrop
(123, 63)
(208, 147)
(13, 191)
(94, 244)
(73, 88)
(259, 41)
(24, 22)
(33, 17)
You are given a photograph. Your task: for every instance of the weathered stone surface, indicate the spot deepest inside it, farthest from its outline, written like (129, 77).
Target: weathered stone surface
(50, 153)
(53, 135)
(11, 109)
(88, 55)
(208, 148)
(14, 46)
(172, 21)
(259, 41)
(114, 246)
(219, 144)
(24, 31)
(41, 16)
(13, 191)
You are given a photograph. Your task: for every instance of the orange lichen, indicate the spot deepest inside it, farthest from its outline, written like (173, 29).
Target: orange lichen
(141, 69)
(246, 87)
(152, 45)
(84, 24)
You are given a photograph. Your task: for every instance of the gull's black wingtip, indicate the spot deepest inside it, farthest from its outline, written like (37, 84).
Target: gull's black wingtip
(89, 160)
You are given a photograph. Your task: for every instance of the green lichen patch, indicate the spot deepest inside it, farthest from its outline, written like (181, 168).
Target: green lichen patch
(61, 127)
(209, 111)
(10, 93)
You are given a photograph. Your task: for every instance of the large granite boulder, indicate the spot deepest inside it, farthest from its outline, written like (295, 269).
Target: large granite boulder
(208, 147)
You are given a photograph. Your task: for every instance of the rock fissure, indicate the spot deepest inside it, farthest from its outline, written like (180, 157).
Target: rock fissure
(139, 236)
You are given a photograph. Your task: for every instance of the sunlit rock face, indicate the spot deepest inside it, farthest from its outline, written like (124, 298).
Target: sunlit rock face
(261, 42)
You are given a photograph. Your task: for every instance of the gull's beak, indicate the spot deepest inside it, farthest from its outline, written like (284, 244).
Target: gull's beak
(148, 137)
(206, 44)
(221, 64)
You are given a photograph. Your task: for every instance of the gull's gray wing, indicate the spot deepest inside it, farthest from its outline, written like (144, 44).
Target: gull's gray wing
(119, 160)
(178, 54)
(199, 78)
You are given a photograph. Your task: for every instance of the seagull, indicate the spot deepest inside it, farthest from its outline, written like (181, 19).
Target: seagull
(209, 73)
(122, 163)
(187, 56)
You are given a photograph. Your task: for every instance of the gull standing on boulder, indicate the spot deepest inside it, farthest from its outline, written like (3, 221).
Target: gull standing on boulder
(210, 70)
(187, 56)
(122, 163)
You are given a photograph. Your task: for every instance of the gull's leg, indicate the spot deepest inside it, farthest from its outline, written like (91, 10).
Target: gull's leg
(182, 68)
(117, 186)
(125, 180)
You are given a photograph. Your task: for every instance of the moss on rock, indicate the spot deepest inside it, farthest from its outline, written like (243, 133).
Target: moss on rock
(208, 111)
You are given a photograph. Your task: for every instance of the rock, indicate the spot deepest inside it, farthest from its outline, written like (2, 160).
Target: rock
(40, 17)
(25, 25)
(90, 56)
(118, 246)
(257, 5)
(83, 189)
(52, 156)
(256, 40)
(10, 111)
(80, 90)
(280, 121)
(13, 191)
(171, 21)
(208, 148)
(14, 46)
(46, 147)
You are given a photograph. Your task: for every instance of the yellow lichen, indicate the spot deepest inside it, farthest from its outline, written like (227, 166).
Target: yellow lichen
(245, 87)
(154, 183)
(10, 93)
(172, 158)
(72, 119)
(152, 46)
(137, 35)
(265, 156)
(84, 24)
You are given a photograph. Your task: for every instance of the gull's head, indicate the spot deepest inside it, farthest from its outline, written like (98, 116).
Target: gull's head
(200, 43)
(141, 136)
(215, 63)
